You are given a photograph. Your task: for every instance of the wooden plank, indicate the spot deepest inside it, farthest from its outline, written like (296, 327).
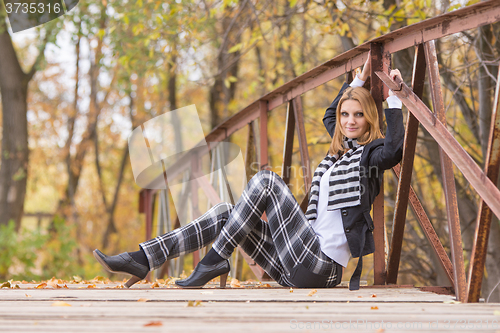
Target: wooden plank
(247, 310)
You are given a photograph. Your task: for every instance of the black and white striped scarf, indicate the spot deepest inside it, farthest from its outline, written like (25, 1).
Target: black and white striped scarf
(344, 187)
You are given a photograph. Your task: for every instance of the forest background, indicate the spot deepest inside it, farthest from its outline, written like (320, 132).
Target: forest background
(73, 89)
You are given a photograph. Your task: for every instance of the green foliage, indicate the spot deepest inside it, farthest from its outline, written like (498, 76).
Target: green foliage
(60, 257)
(19, 251)
(30, 255)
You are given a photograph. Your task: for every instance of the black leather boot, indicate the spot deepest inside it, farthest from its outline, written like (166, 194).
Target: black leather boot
(202, 274)
(122, 263)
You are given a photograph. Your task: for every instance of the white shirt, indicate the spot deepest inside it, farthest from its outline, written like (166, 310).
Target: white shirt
(328, 225)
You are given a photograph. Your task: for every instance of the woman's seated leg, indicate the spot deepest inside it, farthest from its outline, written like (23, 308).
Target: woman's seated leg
(189, 238)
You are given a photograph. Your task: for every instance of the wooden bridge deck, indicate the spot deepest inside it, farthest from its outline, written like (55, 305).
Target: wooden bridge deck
(105, 308)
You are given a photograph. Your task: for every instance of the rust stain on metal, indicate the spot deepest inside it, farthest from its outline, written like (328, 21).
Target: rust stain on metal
(445, 26)
(483, 224)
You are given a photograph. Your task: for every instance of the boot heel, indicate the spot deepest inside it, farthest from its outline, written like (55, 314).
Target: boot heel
(133, 280)
(223, 279)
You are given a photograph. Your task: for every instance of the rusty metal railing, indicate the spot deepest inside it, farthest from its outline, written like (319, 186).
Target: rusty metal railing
(421, 36)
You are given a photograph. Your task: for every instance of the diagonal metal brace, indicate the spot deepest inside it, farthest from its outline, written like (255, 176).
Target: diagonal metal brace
(471, 171)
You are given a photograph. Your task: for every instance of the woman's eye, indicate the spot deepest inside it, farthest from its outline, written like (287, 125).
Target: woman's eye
(344, 114)
(359, 114)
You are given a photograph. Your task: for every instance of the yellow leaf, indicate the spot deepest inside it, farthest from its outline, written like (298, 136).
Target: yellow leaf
(291, 290)
(235, 48)
(374, 308)
(374, 295)
(312, 292)
(235, 283)
(60, 303)
(28, 295)
(194, 303)
(6, 285)
(142, 300)
(155, 285)
(41, 285)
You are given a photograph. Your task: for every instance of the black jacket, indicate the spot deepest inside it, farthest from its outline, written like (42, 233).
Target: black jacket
(377, 156)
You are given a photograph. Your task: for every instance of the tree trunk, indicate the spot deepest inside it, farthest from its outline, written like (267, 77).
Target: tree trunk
(220, 95)
(14, 169)
(74, 164)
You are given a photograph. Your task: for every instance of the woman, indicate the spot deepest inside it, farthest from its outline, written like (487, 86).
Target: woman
(295, 249)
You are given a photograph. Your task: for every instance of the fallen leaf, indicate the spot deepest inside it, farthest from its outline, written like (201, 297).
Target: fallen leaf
(99, 279)
(155, 285)
(312, 292)
(17, 287)
(28, 295)
(235, 283)
(154, 323)
(41, 285)
(91, 286)
(6, 285)
(194, 303)
(60, 303)
(142, 300)
(374, 308)
(267, 285)
(291, 290)
(374, 295)
(77, 279)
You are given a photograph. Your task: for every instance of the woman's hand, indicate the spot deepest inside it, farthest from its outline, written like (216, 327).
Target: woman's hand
(393, 74)
(365, 73)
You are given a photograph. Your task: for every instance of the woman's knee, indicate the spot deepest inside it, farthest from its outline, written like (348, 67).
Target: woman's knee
(223, 208)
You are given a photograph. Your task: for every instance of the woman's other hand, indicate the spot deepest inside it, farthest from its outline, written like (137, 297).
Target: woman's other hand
(393, 74)
(365, 73)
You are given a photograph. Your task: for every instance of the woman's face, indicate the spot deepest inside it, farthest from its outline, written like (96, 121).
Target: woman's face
(352, 119)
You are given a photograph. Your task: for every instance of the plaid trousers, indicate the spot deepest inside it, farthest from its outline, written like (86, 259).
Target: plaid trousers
(285, 246)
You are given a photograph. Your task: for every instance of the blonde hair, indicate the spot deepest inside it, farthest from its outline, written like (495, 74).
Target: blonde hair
(370, 113)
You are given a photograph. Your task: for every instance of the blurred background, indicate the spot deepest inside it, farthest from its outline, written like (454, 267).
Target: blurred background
(73, 89)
